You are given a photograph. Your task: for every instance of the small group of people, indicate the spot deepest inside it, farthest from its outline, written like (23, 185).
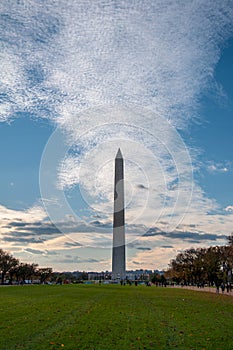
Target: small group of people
(201, 285)
(223, 286)
(123, 282)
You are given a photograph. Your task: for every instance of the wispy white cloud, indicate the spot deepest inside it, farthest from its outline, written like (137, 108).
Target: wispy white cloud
(64, 58)
(31, 215)
(229, 208)
(214, 167)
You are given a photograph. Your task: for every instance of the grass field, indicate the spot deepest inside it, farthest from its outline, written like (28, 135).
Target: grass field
(113, 317)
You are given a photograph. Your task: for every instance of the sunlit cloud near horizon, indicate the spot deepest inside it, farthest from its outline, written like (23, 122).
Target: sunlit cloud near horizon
(104, 75)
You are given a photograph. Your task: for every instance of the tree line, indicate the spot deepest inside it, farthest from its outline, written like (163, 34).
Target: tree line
(12, 269)
(212, 265)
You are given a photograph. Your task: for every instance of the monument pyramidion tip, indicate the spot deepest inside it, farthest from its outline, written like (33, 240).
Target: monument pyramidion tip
(119, 154)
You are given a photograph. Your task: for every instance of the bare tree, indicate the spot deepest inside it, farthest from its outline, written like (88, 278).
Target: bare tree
(44, 274)
(7, 262)
(230, 239)
(25, 272)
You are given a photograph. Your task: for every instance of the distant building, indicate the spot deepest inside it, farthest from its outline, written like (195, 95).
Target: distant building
(143, 275)
(99, 276)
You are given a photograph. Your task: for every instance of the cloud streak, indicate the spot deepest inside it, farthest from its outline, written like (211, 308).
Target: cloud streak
(33, 238)
(214, 168)
(59, 58)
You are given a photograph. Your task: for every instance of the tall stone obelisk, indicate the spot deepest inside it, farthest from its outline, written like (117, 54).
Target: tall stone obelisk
(118, 250)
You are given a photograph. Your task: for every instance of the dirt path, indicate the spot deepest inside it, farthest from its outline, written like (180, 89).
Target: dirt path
(206, 289)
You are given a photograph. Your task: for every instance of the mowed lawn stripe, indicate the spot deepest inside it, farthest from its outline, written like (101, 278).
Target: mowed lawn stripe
(113, 317)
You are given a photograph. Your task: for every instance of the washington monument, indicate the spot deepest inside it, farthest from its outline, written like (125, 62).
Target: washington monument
(118, 250)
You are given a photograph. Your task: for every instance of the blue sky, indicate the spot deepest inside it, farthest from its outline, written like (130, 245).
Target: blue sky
(214, 135)
(22, 143)
(82, 79)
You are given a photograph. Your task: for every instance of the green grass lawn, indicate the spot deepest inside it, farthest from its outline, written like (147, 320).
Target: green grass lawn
(113, 317)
